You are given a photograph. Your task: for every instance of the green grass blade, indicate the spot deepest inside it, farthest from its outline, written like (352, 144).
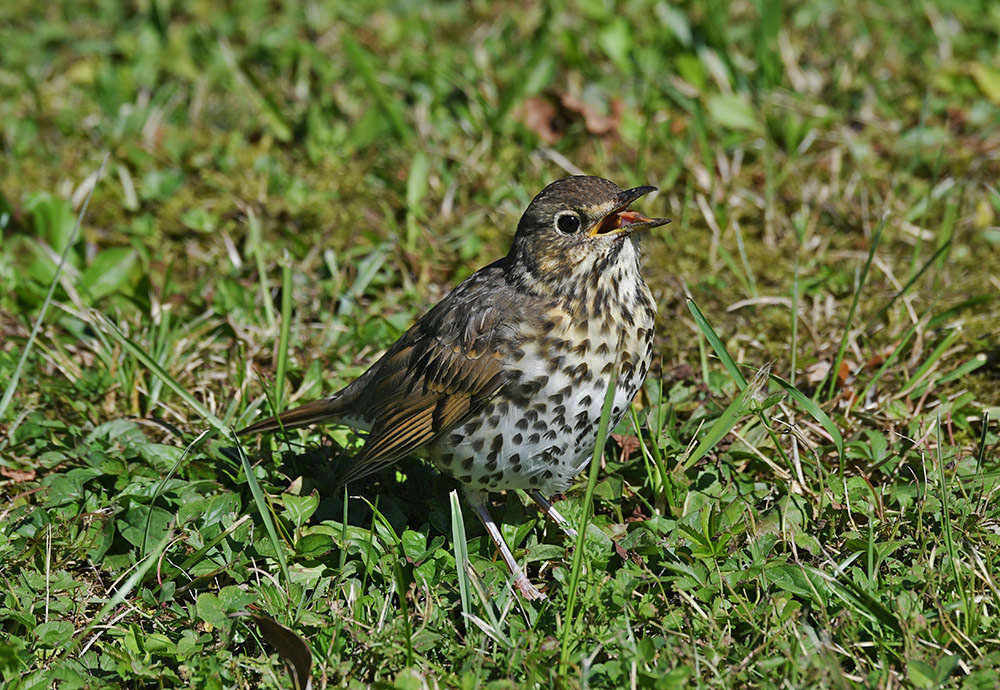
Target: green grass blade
(154, 367)
(365, 64)
(964, 369)
(795, 320)
(930, 361)
(722, 426)
(263, 507)
(870, 327)
(402, 582)
(134, 579)
(814, 410)
(581, 538)
(159, 487)
(461, 546)
(716, 343)
(286, 319)
(946, 524)
(890, 360)
(8, 393)
(832, 374)
(257, 249)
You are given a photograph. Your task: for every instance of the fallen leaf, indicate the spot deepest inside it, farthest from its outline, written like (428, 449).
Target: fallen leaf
(290, 646)
(539, 115)
(595, 121)
(548, 115)
(628, 443)
(817, 372)
(844, 372)
(18, 475)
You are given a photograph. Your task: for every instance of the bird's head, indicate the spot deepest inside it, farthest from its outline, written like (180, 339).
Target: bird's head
(577, 225)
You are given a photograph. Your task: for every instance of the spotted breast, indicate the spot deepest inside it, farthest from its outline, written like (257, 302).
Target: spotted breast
(539, 431)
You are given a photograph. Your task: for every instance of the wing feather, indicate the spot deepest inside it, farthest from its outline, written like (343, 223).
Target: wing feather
(443, 370)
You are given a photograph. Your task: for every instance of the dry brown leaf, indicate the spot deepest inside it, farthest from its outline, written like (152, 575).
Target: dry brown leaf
(18, 475)
(539, 115)
(596, 122)
(628, 443)
(817, 372)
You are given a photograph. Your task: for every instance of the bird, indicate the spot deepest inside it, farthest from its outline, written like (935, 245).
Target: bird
(501, 384)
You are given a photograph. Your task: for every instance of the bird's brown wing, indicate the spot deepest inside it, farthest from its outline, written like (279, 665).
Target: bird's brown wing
(438, 374)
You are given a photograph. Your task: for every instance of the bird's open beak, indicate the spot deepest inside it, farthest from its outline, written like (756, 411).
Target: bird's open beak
(620, 219)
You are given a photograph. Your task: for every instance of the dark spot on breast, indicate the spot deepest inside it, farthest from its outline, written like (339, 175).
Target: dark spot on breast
(517, 439)
(521, 424)
(467, 464)
(534, 438)
(532, 387)
(497, 443)
(477, 445)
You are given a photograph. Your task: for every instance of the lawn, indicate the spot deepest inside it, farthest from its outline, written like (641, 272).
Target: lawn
(209, 211)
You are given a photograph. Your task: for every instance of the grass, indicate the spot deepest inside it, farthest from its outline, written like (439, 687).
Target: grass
(288, 187)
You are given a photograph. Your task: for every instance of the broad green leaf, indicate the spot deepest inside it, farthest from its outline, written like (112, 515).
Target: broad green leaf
(54, 633)
(921, 674)
(988, 80)
(52, 218)
(109, 272)
(211, 611)
(299, 509)
(733, 112)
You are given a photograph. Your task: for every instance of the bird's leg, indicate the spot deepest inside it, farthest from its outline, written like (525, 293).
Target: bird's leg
(524, 586)
(550, 510)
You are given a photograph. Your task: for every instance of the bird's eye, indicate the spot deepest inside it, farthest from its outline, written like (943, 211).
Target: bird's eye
(567, 222)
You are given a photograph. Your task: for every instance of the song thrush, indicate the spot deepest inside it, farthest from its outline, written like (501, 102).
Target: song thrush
(501, 384)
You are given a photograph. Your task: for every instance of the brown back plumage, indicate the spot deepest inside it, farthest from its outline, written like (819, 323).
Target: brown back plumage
(438, 373)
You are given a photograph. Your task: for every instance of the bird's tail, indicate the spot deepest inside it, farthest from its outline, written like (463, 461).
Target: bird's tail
(327, 409)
